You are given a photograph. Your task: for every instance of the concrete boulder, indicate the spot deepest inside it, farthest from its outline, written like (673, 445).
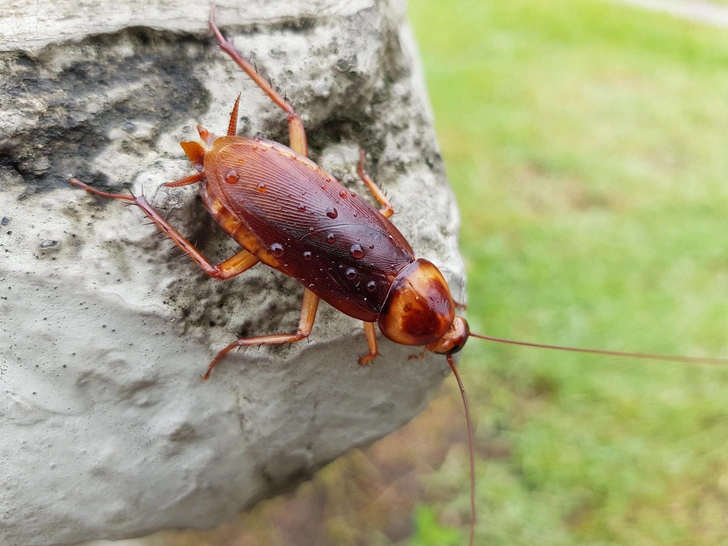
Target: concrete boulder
(106, 429)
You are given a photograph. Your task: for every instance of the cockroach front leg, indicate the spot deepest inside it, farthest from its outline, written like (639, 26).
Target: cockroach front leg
(235, 265)
(387, 209)
(371, 333)
(305, 325)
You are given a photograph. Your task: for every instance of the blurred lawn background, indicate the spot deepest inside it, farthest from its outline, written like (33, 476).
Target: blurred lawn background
(586, 142)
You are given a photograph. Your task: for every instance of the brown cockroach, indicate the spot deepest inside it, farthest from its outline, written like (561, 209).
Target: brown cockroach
(408, 298)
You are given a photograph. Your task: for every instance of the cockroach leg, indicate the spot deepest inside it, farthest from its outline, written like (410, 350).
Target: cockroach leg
(418, 356)
(371, 334)
(235, 265)
(387, 209)
(305, 325)
(76, 182)
(297, 134)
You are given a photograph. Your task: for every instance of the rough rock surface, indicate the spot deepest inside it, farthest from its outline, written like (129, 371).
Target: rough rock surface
(106, 430)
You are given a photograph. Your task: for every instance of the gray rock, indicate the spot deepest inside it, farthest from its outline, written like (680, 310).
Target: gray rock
(106, 430)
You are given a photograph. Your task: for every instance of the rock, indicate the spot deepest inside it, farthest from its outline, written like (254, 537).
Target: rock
(107, 430)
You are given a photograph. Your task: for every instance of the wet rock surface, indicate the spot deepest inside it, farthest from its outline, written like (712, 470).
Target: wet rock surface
(107, 429)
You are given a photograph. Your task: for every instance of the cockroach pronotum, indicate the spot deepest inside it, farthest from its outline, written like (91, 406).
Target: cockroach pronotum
(407, 297)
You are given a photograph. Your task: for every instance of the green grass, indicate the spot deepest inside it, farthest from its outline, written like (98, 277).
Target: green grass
(587, 143)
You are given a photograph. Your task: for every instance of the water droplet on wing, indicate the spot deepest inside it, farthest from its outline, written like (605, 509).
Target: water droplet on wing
(357, 251)
(232, 177)
(276, 249)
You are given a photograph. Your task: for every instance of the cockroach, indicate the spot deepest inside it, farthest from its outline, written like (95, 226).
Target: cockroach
(408, 298)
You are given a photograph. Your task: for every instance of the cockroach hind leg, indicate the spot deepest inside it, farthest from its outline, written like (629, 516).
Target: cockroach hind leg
(297, 134)
(89, 189)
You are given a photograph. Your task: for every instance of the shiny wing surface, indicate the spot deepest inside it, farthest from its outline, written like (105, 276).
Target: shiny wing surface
(331, 240)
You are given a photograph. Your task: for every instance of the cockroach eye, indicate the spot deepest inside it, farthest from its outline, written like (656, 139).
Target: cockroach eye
(351, 273)
(232, 177)
(276, 249)
(356, 251)
(371, 286)
(307, 255)
(331, 212)
(331, 237)
(261, 188)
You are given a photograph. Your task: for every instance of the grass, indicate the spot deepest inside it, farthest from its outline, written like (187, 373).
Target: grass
(586, 143)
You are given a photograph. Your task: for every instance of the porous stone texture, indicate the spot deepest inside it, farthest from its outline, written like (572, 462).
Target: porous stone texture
(106, 429)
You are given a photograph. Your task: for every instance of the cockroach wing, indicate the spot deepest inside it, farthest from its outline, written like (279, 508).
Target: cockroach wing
(331, 240)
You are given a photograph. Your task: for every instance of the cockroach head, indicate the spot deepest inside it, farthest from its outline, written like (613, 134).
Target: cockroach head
(419, 310)
(453, 340)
